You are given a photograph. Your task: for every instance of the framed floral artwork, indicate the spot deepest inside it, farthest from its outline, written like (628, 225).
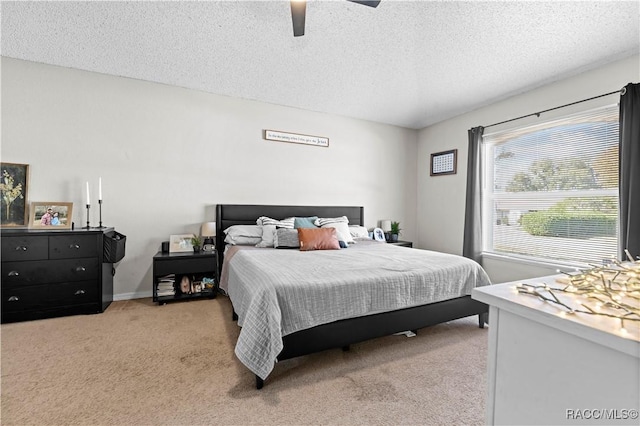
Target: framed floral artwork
(13, 189)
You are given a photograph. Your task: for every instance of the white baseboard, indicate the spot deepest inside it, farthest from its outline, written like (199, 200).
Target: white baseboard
(129, 296)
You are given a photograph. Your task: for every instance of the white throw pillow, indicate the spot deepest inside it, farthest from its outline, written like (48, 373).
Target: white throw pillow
(341, 225)
(268, 235)
(342, 229)
(358, 231)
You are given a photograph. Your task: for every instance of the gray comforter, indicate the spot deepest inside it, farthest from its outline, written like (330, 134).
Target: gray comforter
(276, 292)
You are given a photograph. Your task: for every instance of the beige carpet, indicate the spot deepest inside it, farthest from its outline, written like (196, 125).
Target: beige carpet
(139, 363)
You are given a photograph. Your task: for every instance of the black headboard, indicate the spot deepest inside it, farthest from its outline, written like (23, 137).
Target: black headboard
(247, 214)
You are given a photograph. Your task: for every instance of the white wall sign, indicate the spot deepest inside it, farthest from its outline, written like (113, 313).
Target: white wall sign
(274, 135)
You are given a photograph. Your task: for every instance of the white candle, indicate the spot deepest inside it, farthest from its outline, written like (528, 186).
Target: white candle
(100, 188)
(88, 201)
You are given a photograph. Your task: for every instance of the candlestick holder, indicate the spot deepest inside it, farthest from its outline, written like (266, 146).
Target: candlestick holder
(88, 226)
(100, 215)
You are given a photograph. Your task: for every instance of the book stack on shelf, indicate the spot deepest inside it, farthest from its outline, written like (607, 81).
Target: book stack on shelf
(166, 285)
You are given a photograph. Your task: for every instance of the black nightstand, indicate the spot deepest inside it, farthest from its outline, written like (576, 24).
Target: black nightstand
(169, 269)
(402, 243)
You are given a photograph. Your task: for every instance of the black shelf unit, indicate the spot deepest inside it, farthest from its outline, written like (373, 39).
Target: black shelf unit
(194, 265)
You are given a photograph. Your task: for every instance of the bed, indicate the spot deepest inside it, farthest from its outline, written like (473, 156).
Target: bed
(281, 317)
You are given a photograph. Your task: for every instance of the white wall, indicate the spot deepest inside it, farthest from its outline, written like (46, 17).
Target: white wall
(441, 199)
(167, 155)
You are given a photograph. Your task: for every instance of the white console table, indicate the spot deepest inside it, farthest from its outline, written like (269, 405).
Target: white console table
(545, 367)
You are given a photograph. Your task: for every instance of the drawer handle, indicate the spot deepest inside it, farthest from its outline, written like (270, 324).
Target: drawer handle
(74, 246)
(81, 269)
(13, 273)
(23, 248)
(13, 299)
(79, 292)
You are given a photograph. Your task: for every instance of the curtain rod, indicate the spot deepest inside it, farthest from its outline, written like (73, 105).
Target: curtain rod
(537, 114)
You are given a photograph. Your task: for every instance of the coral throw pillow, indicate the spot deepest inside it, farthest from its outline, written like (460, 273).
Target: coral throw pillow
(318, 239)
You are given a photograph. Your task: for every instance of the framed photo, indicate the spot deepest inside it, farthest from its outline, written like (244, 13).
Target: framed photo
(50, 215)
(444, 163)
(181, 243)
(13, 191)
(378, 235)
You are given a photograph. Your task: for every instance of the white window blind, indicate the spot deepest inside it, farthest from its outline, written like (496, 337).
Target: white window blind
(550, 191)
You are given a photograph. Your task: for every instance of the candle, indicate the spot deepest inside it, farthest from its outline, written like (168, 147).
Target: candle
(88, 201)
(100, 188)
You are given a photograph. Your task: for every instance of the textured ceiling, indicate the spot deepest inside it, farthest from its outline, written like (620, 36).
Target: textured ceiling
(405, 63)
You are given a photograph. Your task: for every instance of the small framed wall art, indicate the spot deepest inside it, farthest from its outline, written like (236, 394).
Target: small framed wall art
(444, 163)
(50, 215)
(13, 194)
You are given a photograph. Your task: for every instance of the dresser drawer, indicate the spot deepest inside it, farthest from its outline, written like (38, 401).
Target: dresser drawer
(25, 248)
(193, 265)
(77, 293)
(42, 297)
(73, 246)
(75, 269)
(24, 298)
(48, 271)
(18, 273)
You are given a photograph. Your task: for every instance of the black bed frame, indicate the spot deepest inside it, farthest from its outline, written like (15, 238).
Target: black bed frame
(342, 333)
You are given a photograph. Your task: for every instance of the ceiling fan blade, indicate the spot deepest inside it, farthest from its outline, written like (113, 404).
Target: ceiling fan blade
(298, 13)
(367, 2)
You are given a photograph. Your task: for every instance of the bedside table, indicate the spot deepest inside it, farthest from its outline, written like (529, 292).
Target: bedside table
(169, 270)
(401, 243)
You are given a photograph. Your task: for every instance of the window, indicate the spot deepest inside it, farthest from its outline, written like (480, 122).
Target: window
(550, 191)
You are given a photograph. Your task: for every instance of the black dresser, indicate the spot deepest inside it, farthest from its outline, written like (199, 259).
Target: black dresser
(54, 273)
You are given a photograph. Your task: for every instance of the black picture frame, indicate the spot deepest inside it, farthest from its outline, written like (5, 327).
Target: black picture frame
(14, 186)
(444, 163)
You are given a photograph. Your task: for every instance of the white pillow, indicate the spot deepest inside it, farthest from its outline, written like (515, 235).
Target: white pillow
(358, 231)
(243, 235)
(341, 225)
(268, 235)
(342, 229)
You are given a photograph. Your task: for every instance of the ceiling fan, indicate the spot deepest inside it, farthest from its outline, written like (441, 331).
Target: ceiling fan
(299, 11)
